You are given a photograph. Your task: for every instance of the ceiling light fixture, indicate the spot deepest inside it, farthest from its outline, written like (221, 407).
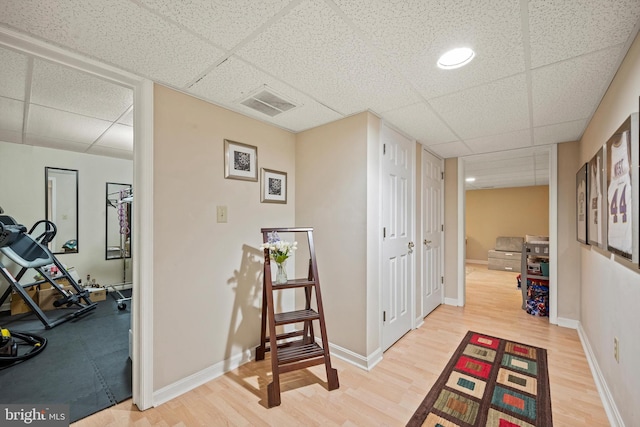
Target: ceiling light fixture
(470, 179)
(456, 58)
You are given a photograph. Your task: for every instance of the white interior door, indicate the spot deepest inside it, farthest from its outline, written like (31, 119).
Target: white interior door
(397, 248)
(432, 221)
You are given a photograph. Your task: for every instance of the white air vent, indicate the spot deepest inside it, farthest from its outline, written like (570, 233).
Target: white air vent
(268, 103)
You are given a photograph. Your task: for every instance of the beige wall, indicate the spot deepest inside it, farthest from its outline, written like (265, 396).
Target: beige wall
(207, 275)
(611, 291)
(331, 196)
(568, 247)
(504, 212)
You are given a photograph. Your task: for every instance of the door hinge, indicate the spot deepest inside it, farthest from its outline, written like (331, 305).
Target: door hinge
(384, 232)
(442, 175)
(384, 316)
(384, 149)
(442, 280)
(442, 227)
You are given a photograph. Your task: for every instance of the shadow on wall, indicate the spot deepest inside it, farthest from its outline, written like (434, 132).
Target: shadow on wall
(244, 328)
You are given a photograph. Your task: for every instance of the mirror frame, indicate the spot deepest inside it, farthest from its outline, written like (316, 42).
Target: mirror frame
(47, 171)
(106, 222)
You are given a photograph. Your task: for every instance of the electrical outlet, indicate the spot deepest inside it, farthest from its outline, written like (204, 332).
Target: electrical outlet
(616, 349)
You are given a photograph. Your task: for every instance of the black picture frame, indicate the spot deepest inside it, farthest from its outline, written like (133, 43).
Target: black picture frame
(596, 200)
(622, 187)
(582, 211)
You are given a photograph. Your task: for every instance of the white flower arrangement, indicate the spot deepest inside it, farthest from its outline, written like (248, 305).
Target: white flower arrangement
(279, 250)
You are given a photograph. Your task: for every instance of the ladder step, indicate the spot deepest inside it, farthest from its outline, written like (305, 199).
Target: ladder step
(298, 352)
(296, 283)
(295, 316)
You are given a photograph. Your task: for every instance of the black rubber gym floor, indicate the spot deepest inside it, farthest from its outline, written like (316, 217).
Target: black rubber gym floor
(85, 363)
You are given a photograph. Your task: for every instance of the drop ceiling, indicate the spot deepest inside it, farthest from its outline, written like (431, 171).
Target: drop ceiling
(541, 66)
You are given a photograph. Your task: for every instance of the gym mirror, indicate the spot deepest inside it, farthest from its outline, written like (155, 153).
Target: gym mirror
(61, 201)
(118, 229)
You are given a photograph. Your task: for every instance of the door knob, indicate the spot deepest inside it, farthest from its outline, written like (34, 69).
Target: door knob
(427, 242)
(411, 245)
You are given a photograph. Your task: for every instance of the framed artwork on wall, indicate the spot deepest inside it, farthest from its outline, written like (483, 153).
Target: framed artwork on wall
(581, 204)
(240, 161)
(273, 187)
(622, 188)
(596, 206)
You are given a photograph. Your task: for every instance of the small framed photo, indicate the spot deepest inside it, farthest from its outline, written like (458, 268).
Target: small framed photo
(581, 203)
(240, 161)
(274, 186)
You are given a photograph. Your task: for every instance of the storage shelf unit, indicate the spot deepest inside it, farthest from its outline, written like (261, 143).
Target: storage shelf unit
(531, 249)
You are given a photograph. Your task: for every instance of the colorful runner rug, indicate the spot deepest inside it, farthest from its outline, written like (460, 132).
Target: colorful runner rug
(489, 382)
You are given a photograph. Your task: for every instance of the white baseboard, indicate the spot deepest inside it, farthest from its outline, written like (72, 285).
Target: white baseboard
(189, 383)
(451, 301)
(568, 323)
(184, 385)
(362, 362)
(615, 419)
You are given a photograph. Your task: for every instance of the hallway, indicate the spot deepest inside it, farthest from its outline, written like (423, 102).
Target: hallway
(389, 394)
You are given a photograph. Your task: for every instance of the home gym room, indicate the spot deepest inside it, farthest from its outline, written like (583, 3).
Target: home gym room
(67, 148)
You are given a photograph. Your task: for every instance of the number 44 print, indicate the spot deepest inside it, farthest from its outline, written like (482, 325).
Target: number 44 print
(621, 206)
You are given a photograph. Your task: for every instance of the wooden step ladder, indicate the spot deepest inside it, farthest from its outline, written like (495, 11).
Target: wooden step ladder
(297, 349)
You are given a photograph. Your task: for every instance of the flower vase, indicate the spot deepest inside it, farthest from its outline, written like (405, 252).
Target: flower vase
(281, 274)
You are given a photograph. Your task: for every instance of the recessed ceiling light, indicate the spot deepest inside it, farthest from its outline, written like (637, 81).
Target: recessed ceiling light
(456, 58)
(470, 179)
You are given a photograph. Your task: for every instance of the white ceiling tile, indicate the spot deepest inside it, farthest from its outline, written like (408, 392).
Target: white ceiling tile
(127, 119)
(494, 108)
(99, 150)
(63, 88)
(505, 141)
(419, 121)
(571, 90)
(13, 71)
(308, 116)
(413, 34)
(10, 136)
(561, 132)
(512, 168)
(560, 29)
(120, 32)
(450, 149)
(59, 144)
(62, 125)
(234, 80)
(117, 136)
(225, 23)
(313, 49)
(11, 112)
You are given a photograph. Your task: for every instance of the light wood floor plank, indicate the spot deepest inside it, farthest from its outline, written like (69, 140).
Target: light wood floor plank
(390, 393)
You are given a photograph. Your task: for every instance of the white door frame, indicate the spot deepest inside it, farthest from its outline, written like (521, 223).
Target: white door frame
(553, 233)
(142, 302)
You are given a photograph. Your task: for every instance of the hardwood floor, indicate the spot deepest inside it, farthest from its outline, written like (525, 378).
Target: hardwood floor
(389, 394)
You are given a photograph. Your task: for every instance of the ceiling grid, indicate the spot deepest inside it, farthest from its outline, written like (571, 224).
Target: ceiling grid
(540, 70)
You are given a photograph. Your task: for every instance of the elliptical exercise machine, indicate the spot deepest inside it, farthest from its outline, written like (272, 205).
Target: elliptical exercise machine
(28, 251)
